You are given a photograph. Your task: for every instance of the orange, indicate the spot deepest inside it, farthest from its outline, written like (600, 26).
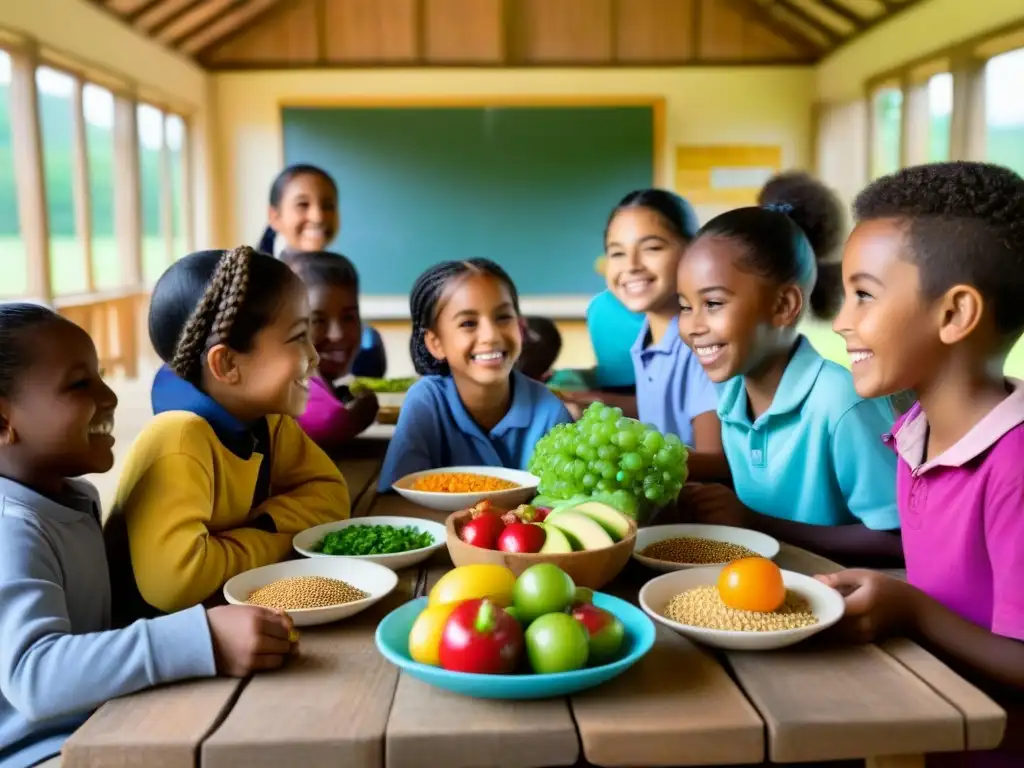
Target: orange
(752, 584)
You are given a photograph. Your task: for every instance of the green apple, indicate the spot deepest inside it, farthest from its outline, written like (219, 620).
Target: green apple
(556, 642)
(542, 588)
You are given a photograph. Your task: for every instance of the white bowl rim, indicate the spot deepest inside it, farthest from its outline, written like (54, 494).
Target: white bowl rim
(771, 543)
(530, 480)
(368, 599)
(738, 633)
(378, 520)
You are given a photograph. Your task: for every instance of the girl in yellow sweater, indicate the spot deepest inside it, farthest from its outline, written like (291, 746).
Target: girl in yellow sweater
(222, 478)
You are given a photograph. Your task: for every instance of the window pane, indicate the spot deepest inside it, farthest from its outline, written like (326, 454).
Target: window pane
(940, 109)
(176, 149)
(13, 265)
(885, 154)
(1004, 110)
(67, 265)
(98, 104)
(151, 141)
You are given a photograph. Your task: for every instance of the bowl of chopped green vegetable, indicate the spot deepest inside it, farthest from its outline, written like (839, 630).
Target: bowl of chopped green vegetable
(396, 542)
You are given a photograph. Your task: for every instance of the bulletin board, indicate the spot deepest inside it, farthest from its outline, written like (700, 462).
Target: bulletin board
(727, 175)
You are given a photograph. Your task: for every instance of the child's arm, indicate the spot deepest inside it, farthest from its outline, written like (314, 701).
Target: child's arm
(416, 442)
(706, 463)
(178, 561)
(306, 487)
(47, 672)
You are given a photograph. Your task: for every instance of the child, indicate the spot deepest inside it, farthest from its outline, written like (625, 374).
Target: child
(471, 407)
(646, 236)
(542, 344)
(938, 253)
(223, 477)
(303, 210)
(804, 450)
(332, 416)
(59, 658)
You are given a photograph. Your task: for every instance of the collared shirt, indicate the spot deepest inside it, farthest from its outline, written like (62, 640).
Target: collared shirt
(671, 385)
(435, 430)
(612, 329)
(962, 515)
(816, 455)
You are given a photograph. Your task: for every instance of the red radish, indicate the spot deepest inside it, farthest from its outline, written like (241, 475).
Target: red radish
(605, 630)
(483, 531)
(481, 638)
(521, 537)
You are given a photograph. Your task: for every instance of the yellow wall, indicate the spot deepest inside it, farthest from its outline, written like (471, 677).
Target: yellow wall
(724, 105)
(928, 26)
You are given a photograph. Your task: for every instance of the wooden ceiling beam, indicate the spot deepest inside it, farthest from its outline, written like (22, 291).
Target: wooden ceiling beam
(837, 8)
(206, 12)
(894, 9)
(141, 10)
(756, 12)
(229, 26)
(162, 14)
(810, 20)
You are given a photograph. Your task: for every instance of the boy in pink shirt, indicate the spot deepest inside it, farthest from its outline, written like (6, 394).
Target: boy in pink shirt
(934, 281)
(332, 416)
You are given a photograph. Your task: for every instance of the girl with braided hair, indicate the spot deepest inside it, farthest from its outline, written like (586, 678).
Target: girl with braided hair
(472, 407)
(223, 477)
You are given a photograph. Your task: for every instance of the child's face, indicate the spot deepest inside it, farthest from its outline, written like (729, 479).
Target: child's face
(642, 258)
(335, 328)
(891, 332)
(273, 377)
(61, 417)
(307, 217)
(477, 331)
(731, 318)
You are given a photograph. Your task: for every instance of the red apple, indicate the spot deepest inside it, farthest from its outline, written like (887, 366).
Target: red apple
(605, 630)
(521, 537)
(483, 531)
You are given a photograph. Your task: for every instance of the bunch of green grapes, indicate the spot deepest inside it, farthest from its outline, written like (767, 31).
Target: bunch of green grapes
(607, 453)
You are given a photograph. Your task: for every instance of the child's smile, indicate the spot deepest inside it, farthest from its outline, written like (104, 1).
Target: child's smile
(643, 255)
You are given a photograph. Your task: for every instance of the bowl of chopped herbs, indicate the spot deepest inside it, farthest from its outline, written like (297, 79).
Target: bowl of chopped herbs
(397, 542)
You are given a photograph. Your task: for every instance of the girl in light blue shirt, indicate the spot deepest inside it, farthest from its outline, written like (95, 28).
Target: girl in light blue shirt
(471, 408)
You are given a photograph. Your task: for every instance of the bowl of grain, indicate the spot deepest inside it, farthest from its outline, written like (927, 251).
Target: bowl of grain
(688, 602)
(449, 489)
(677, 547)
(313, 591)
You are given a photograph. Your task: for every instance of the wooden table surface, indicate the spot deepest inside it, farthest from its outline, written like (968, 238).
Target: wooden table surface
(341, 704)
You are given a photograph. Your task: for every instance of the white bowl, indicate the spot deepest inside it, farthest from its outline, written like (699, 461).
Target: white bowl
(374, 579)
(763, 545)
(825, 603)
(304, 542)
(453, 502)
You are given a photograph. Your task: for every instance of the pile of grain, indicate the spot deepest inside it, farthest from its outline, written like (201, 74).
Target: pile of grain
(299, 592)
(691, 550)
(461, 482)
(702, 607)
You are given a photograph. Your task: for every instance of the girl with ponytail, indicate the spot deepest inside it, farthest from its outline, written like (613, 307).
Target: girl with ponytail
(472, 406)
(804, 450)
(303, 213)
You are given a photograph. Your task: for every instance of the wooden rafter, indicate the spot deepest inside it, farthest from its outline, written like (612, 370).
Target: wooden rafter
(810, 20)
(795, 37)
(837, 8)
(206, 12)
(228, 26)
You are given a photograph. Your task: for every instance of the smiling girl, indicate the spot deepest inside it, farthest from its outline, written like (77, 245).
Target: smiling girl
(805, 451)
(471, 407)
(223, 477)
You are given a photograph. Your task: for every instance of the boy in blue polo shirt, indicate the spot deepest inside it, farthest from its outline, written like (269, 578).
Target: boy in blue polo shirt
(805, 451)
(471, 408)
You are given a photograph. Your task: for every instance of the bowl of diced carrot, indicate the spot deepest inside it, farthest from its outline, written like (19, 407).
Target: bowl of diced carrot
(449, 489)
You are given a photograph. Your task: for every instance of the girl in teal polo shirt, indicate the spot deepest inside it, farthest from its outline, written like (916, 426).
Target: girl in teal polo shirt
(805, 451)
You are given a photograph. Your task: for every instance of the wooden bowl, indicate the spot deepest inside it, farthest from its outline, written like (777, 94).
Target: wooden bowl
(591, 568)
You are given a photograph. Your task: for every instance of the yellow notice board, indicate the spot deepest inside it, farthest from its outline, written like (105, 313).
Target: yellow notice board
(724, 174)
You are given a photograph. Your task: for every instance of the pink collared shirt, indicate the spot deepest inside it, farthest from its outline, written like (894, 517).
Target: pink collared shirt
(962, 515)
(326, 419)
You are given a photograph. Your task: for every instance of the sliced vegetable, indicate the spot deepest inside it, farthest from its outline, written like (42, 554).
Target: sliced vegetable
(356, 540)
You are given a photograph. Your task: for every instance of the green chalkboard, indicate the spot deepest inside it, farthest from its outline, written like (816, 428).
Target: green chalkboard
(529, 187)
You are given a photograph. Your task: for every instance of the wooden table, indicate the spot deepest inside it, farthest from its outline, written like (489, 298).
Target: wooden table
(341, 704)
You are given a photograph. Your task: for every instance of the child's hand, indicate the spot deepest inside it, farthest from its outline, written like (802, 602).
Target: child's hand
(876, 605)
(712, 504)
(249, 638)
(364, 409)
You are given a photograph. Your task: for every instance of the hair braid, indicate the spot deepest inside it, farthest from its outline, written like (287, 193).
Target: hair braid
(211, 321)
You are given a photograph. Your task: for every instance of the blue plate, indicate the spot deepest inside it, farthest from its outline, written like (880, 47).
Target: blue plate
(393, 642)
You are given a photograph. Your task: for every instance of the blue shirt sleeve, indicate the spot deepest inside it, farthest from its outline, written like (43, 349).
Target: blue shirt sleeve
(416, 442)
(865, 466)
(47, 672)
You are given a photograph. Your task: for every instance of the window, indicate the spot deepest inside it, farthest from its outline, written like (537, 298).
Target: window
(13, 260)
(98, 106)
(1004, 110)
(56, 124)
(940, 112)
(151, 143)
(174, 131)
(887, 106)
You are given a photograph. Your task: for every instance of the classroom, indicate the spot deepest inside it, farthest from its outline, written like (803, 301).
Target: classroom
(134, 133)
